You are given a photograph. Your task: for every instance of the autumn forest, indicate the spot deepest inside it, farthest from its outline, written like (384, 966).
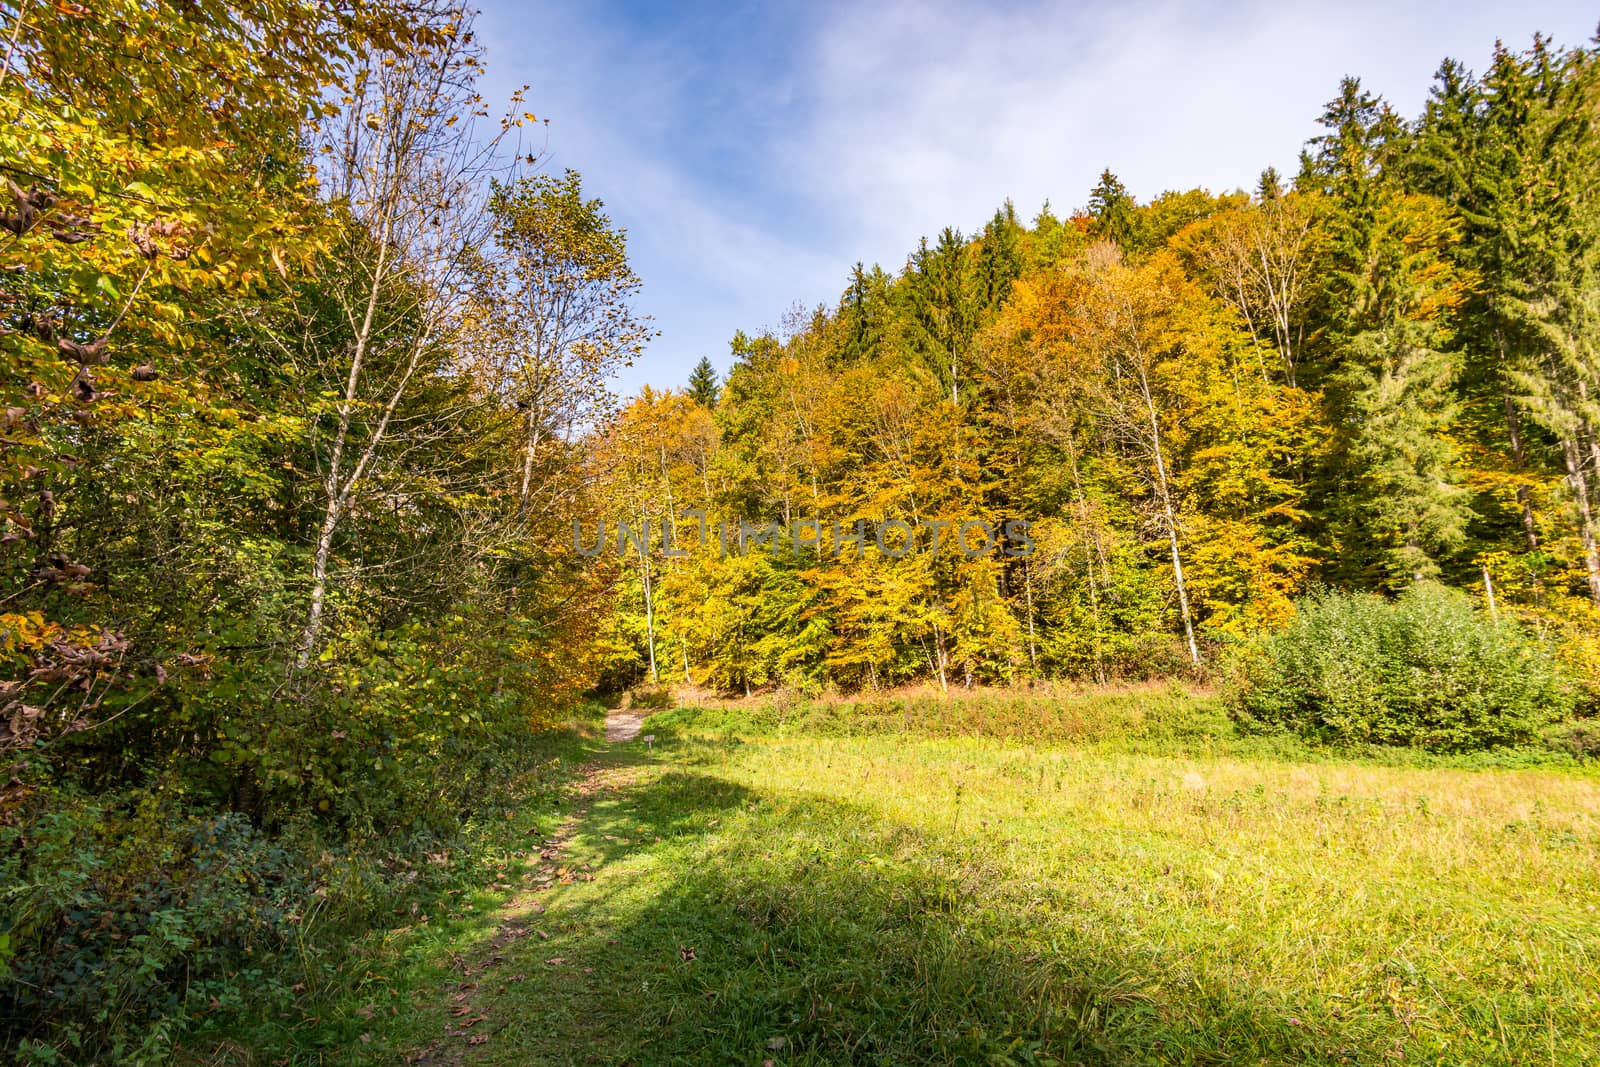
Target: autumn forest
(1369, 374)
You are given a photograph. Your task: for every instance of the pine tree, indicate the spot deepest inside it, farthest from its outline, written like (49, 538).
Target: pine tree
(999, 256)
(863, 315)
(1270, 186)
(1112, 208)
(703, 383)
(943, 306)
(1514, 153)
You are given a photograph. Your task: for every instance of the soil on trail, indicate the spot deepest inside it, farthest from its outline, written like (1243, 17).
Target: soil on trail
(623, 724)
(531, 924)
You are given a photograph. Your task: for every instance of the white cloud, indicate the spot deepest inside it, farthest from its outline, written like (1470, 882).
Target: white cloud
(930, 114)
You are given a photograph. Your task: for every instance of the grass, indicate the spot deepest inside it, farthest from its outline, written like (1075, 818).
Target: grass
(363, 984)
(1112, 879)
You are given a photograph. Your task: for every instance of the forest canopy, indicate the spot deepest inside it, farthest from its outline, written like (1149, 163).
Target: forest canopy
(1376, 373)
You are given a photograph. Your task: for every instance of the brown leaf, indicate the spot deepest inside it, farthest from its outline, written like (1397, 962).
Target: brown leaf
(86, 353)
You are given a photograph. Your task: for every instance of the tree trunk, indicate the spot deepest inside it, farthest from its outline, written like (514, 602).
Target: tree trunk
(1092, 550)
(530, 447)
(1164, 495)
(649, 599)
(319, 583)
(337, 492)
(1027, 585)
(1530, 529)
(1580, 491)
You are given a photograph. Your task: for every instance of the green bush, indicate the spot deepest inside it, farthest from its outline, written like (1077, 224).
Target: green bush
(1427, 670)
(123, 927)
(243, 863)
(1581, 739)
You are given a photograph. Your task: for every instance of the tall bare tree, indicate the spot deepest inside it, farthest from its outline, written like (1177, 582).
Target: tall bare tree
(407, 169)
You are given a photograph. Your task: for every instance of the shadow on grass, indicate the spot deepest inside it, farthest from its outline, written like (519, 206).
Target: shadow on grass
(741, 928)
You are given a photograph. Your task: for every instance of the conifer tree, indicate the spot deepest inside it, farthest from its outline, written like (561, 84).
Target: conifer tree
(703, 383)
(1112, 208)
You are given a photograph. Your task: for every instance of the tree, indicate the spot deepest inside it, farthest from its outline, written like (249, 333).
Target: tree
(565, 288)
(1394, 291)
(1514, 151)
(703, 383)
(1262, 259)
(864, 315)
(1133, 322)
(137, 215)
(1113, 211)
(406, 174)
(942, 306)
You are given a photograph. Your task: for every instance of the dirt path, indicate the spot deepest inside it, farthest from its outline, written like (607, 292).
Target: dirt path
(485, 972)
(481, 972)
(623, 725)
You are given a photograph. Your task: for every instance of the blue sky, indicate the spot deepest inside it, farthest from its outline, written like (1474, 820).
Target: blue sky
(754, 152)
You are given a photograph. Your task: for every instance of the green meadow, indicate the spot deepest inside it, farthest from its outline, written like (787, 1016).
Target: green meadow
(1115, 879)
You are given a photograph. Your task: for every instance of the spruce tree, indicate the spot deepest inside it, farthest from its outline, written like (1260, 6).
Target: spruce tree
(703, 383)
(1389, 366)
(1113, 210)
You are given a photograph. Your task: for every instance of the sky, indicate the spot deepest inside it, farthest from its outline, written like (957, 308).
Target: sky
(755, 152)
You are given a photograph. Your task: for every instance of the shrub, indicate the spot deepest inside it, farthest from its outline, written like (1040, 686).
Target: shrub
(1427, 670)
(121, 926)
(651, 697)
(1581, 740)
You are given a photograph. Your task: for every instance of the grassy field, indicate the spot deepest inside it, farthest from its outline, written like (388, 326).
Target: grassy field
(1133, 883)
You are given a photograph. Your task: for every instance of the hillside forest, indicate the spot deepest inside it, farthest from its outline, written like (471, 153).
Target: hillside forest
(1377, 372)
(308, 422)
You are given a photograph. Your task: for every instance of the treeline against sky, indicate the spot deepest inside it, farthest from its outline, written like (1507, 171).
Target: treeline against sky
(1380, 371)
